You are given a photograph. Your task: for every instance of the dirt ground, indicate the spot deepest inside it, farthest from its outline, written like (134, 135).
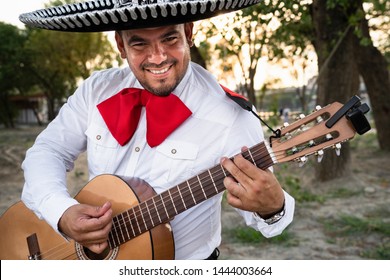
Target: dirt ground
(364, 194)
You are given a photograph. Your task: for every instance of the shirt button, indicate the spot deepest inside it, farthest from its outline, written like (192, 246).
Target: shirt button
(98, 137)
(137, 149)
(173, 151)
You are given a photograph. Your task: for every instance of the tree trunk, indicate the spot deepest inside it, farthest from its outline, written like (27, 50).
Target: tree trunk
(36, 114)
(251, 86)
(338, 79)
(301, 93)
(373, 68)
(51, 113)
(7, 113)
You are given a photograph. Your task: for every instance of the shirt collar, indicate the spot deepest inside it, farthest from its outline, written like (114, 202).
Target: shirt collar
(181, 86)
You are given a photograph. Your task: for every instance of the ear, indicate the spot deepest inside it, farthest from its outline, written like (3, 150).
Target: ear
(188, 29)
(120, 45)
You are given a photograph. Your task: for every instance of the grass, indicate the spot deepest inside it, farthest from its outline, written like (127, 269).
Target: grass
(353, 230)
(344, 193)
(381, 252)
(346, 225)
(248, 235)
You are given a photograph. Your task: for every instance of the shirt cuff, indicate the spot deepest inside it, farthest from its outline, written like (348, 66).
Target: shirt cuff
(277, 228)
(54, 207)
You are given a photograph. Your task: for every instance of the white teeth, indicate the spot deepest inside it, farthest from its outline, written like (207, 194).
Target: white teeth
(162, 71)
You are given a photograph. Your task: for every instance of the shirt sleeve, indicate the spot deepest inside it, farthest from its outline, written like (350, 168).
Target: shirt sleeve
(247, 131)
(52, 155)
(277, 228)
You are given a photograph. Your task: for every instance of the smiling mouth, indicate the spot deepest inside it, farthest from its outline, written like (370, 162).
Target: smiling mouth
(160, 71)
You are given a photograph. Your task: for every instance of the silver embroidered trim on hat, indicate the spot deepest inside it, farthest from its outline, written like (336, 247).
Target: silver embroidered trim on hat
(103, 13)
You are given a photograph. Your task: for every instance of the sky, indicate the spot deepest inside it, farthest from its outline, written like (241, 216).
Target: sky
(10, 12)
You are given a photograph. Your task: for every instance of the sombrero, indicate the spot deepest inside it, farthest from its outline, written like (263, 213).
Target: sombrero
(106, 15)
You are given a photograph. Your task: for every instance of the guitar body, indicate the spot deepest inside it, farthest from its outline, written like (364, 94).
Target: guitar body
(18, 223)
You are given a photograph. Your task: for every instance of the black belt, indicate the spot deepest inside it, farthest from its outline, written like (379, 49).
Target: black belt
(214, 255)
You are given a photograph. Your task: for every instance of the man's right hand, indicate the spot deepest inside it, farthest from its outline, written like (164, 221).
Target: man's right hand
(88, 225)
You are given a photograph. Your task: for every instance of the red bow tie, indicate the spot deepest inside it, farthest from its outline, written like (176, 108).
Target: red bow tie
(121, 113)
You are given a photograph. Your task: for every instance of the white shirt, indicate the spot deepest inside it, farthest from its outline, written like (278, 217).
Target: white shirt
(217, 127)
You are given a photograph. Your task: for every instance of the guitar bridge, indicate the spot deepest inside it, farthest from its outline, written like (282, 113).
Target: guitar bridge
(33, 247)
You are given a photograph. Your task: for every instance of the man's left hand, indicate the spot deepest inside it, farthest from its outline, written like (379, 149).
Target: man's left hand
(251, 188)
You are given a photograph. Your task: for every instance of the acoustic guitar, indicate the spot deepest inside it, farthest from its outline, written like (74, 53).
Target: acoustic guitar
(141, 228)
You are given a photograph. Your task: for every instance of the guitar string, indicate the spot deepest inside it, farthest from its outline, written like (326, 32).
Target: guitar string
(142, 208)
(57, 252)
(145, 211)
(124, 221)
(51, 254)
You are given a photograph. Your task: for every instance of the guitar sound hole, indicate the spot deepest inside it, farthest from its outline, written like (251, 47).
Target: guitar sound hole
(94, 256)
(86, 254)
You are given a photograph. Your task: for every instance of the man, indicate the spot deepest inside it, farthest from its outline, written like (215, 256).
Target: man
(211, 129)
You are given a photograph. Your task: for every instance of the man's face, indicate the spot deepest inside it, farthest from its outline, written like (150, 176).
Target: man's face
(158, 57)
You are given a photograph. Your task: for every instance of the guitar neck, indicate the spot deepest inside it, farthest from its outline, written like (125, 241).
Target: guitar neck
(166, 205)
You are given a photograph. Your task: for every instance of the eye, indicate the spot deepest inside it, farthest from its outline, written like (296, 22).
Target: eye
(138, 45)
(171, 39)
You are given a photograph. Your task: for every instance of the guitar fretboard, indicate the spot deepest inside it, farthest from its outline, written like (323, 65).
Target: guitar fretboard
(166, 205)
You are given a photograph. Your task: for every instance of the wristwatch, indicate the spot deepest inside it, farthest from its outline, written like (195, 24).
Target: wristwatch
(274, 218)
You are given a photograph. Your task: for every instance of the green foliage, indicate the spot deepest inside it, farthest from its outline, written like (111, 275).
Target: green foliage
(12, 41)
(13, 77)
(244, 39)
(50, 62)
(250, 236)
(62, 58)
(375, 10)
(295, 32)
(378, 11)
(332, 4)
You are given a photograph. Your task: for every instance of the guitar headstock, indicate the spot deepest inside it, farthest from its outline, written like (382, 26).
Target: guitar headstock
(310, 135)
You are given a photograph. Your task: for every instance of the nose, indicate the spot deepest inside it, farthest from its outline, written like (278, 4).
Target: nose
(157, 54)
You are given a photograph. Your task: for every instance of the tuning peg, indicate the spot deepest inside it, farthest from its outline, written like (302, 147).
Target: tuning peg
(319, 118)
(286, 124)
(302, 161)
(312, 143)
(329, 136)
(301, 116)
(338, 149)
(320, 155)
(294, 150)
(303, 128)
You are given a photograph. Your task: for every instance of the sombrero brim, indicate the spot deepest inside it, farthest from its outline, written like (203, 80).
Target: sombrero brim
(107, 15)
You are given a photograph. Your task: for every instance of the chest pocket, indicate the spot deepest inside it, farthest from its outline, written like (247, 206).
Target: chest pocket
(101, 149)
(173, 163)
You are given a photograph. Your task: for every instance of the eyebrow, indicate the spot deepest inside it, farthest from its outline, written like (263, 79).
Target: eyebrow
(136, 38)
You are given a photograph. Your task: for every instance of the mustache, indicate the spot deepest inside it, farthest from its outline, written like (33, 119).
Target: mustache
(161, 65)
